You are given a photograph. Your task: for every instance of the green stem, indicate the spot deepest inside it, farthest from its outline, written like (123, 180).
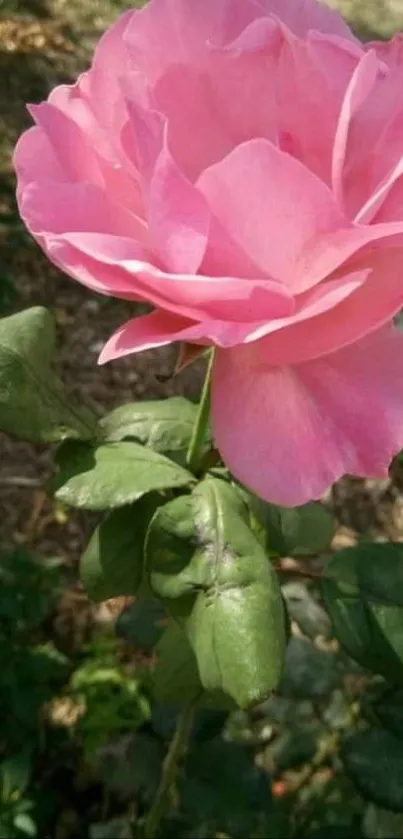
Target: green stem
(195, 451)
(170, 768)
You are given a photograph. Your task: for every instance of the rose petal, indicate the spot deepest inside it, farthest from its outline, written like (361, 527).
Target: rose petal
(95, 275)
(211, 120)
(35, 159)
(143, 333)
(301, 16)
(389, 51)
(275, 209)
(73, 207)
(76, 157)
(374, 300)
(311, 80)
(225, 257)
(178, 216)
(100, 122)
(284, 334)
(198, 131)
(161, 328)
(110, 49)
(378, 206)
(225, 298)
(289, 432)
(283, 217)
(167, 32)
(361, 83)
(374, 140)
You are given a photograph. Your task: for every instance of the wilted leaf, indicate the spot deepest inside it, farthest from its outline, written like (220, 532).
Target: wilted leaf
(33, 404)
(112, 475)
(209, 568)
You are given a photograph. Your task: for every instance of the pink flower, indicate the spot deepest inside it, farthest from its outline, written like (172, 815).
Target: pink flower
(239, 165)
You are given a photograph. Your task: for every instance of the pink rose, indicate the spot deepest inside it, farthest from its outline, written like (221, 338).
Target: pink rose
(238, 164)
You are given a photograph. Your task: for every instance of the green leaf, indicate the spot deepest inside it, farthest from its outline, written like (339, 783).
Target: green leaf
(142, 623)
(374, 761)
(175, 677)
(33, 404)
(111, 475)
(299, 530)
(163, 425)
(363, 594)
(206, 564)
(112, 563)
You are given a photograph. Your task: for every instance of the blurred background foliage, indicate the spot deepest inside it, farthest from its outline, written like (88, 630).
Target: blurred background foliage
(81, 738)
